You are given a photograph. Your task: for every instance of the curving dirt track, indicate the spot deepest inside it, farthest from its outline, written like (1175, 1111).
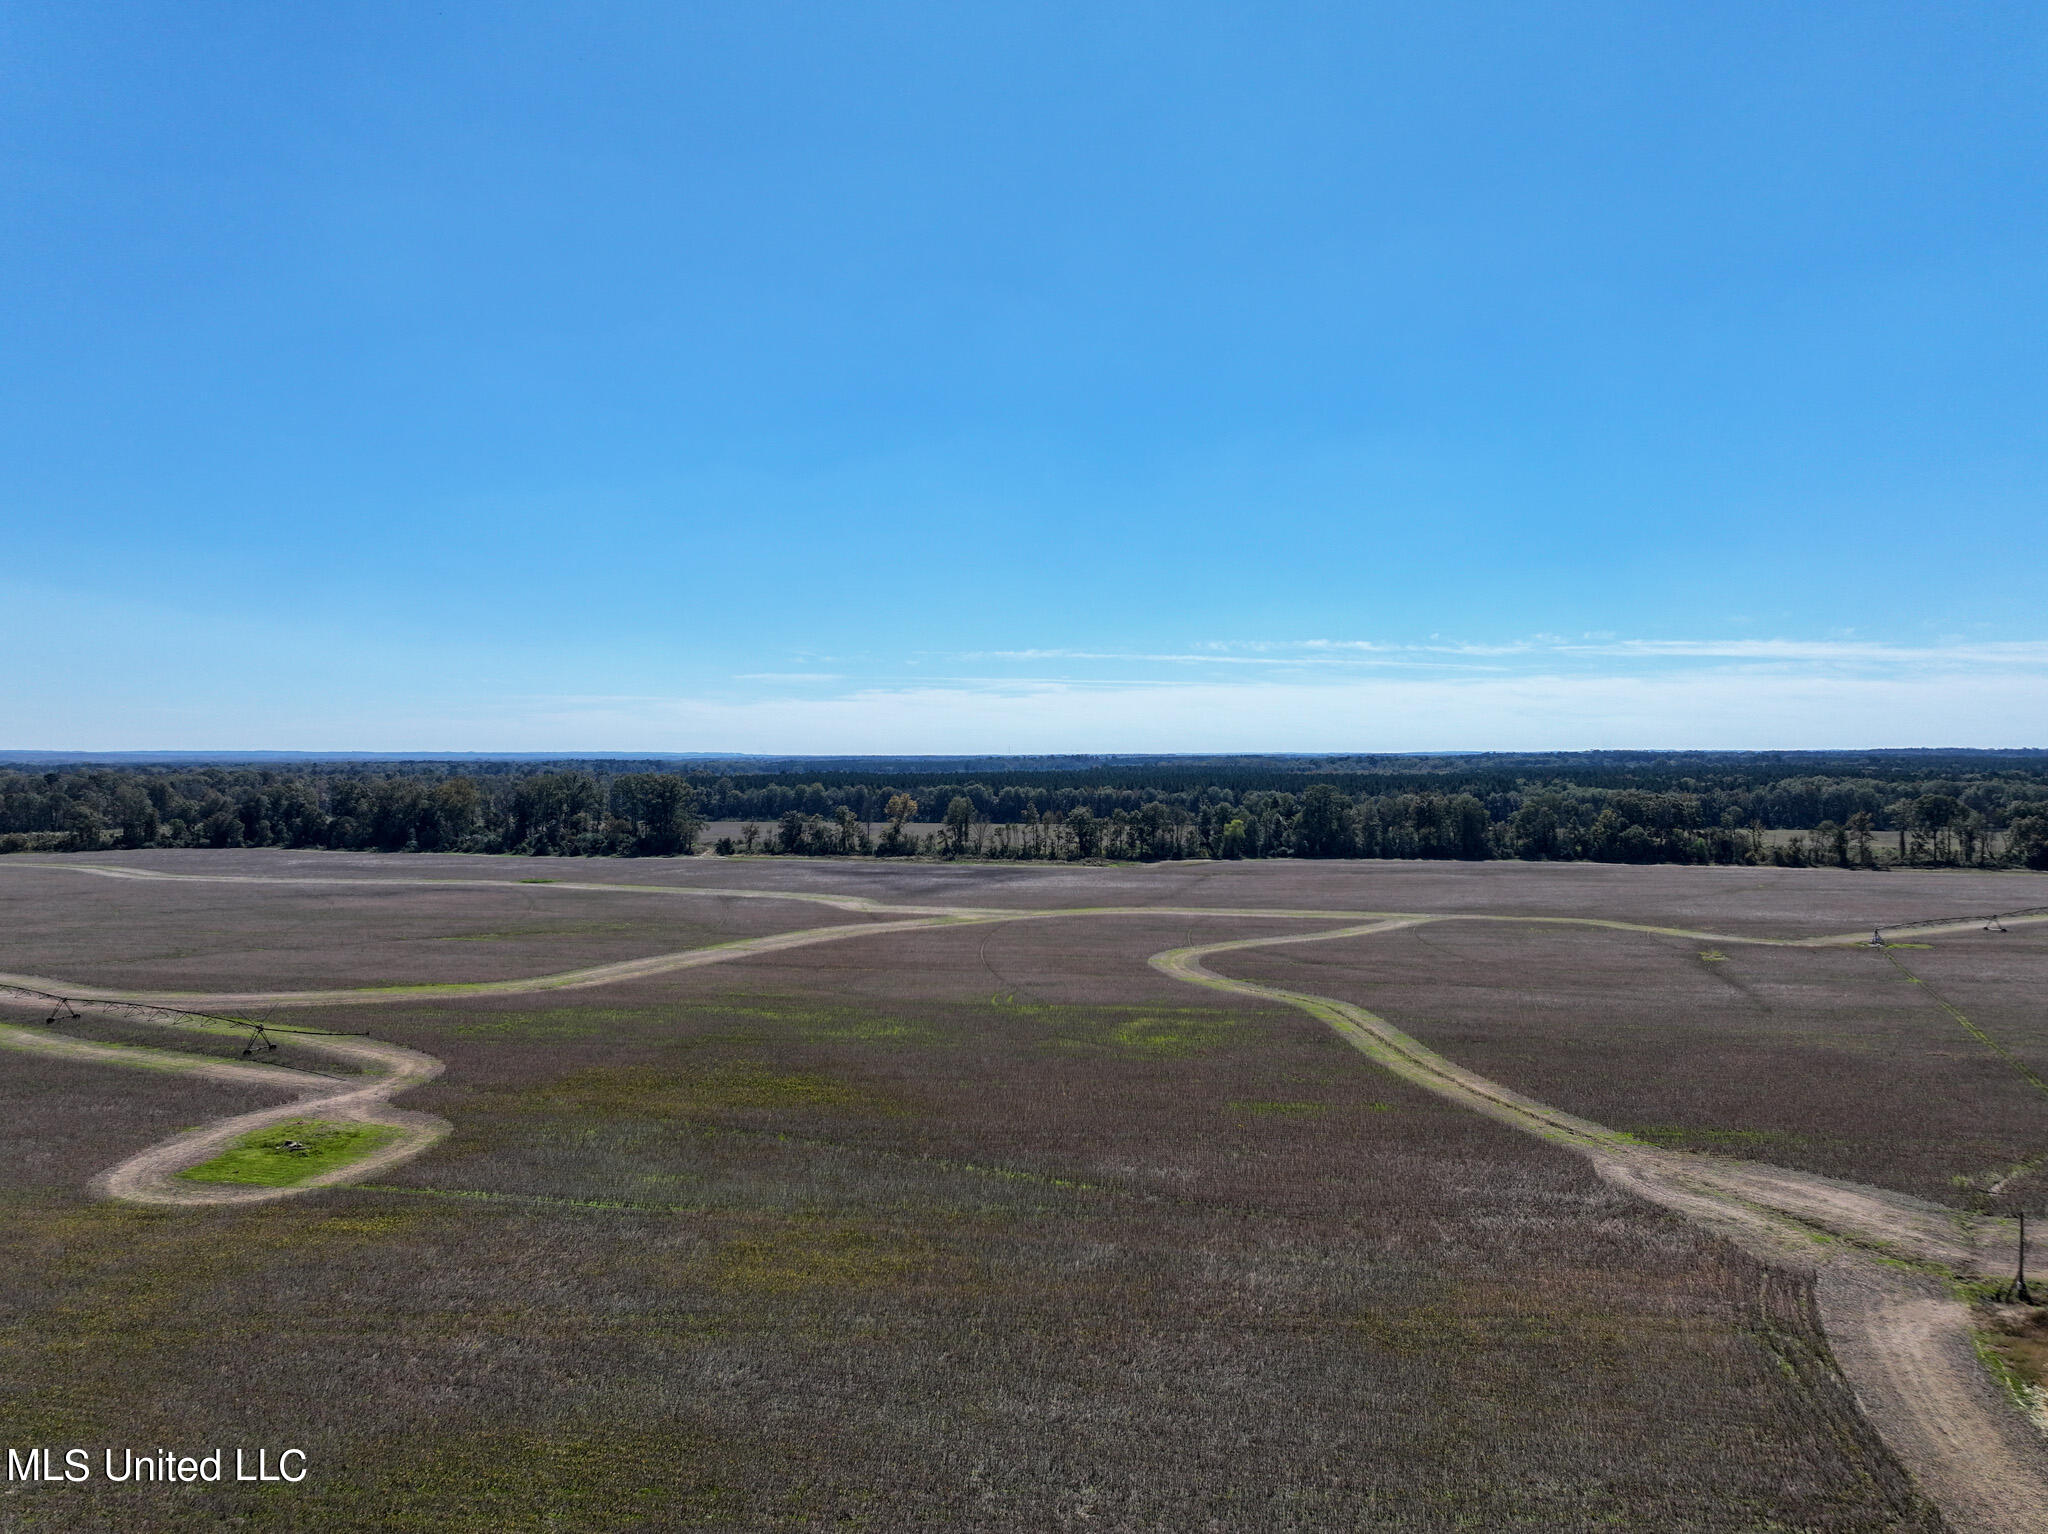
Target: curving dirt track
(1879, 1260)
(1902, 1338)
(150, 1176)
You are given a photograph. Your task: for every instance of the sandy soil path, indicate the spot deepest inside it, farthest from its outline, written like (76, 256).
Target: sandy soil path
(1900, 1335)
(913, 916)
(151, 1175)
(564, 980)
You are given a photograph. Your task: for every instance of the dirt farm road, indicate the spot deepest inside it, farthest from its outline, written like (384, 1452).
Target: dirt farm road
(150, 1176)
(1902, 1339)
(1880, 1260)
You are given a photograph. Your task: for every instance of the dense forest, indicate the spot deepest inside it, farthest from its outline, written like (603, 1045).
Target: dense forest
(1872, 809)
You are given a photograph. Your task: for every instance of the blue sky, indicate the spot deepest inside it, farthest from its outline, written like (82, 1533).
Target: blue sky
(939, 378)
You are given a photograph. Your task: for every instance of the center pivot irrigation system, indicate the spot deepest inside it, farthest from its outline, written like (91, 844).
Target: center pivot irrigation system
(1995, 922)
(257, 1040)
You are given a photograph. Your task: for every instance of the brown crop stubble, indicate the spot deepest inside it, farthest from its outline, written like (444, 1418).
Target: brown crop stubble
(188, 935)
(1823, 1060)
(1998, 979)
(1013, 1257)
(63, 1120)
(976, 1243)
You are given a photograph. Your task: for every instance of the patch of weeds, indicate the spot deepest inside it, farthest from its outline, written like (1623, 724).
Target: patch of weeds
(587, 1473)
(878, 1030)
(533, 1200)
(1170, 1034)
(1788, 1350)
(2017, 1359)
(529, 934)
(290, 1153)
(793, 1010)
(368, 1227)
(559, 1023)
(1445, 1329)
(1172, 1037)
(1682, 1137)
(2014, 1339)
(809, 1256)
(825, 1025)
(1980, 1189)
(536, 881)
(793, 1018)
(1713, 956)
(655, 1092)
(1280, 1110)
(747, 1085)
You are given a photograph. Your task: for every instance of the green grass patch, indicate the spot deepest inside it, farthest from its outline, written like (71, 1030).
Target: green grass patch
(746, 1085)
(1279, 1110)
(284, 1155)
(1682, 1137)
(1175, 1038)
(719, 1022)
(808, 1255)
(1166, 1033)
(654, 1093)
(472, 1474)
(534, 934)
(566, 1023)
(871, 1030)
(815, 1024)
(2015, 1343)
(1995, 1351)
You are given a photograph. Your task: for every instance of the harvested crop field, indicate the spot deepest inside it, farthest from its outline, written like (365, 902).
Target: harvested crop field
(1831, 1060)
(984, 1223)
(273, 937)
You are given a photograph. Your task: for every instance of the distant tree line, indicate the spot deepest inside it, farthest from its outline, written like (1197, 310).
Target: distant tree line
(1951, 810)
(544, 813)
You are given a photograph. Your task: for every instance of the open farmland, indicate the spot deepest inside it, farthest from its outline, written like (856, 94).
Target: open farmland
(1835, 1061)
(972, 1221)
(227, 937)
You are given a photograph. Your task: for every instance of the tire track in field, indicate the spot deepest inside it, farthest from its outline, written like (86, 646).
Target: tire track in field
(1902, 1340)
(1901, 1337)
(2025, 1071)
(151, 1176)
(148, 1176)
(865, 905)
(564, 980)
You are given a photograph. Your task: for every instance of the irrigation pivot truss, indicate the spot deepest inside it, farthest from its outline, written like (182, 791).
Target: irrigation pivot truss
(258, 1033)
(1995, 922)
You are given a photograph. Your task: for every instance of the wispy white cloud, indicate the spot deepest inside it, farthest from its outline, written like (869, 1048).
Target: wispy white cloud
(349, 691)
(1948, 653)
(1718, 708)
(1299, 655)
(1951, 652)
(1715, 706)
